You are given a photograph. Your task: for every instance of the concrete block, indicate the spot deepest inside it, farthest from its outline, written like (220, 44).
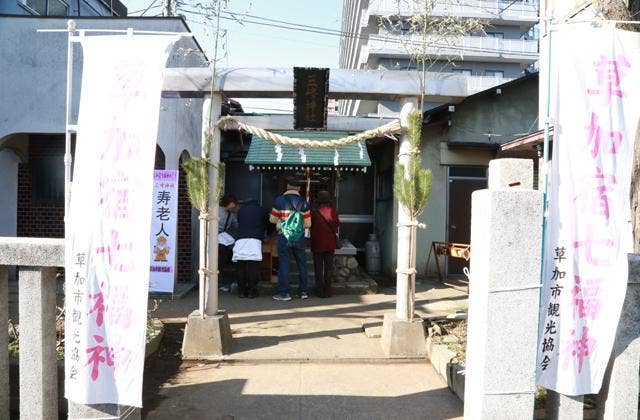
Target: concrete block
(373, 332)
(456, 379)
(510, 173)
(206, 338)
(33, 252)
(4, 341)
(506, 240)
(103, 411)
(618, 397)
(403, 338)
(38, 361)
(561, 407)
(440, 357)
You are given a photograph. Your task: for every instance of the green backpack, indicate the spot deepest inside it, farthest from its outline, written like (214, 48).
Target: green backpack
(293, 227)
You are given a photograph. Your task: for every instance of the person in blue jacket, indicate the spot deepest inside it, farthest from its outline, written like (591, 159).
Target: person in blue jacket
(282, 207)
(247, 250)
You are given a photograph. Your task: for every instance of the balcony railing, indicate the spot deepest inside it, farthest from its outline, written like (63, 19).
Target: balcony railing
(519, 50)
(477, 84)
(484, 9)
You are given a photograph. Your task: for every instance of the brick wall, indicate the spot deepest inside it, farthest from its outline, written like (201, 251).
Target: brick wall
(184, 230)
(40, 219)
(46, 219)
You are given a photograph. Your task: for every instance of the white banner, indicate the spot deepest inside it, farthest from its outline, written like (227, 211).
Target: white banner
(107, 258)
(596, 104)
(164, 216)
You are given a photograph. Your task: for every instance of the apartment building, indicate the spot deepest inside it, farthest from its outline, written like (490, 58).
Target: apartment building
(63, 8)
(477, 61)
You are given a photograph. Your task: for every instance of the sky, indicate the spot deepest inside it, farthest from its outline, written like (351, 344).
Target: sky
(252, 45)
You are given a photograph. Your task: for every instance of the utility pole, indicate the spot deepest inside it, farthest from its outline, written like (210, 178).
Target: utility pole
(169, 7)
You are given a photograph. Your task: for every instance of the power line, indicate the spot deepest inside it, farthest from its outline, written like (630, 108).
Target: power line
(327, 31)
(151, 5)
(262, 35)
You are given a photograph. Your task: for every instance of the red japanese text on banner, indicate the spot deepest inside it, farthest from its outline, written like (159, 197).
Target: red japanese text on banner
(596, 105)
(107, 257)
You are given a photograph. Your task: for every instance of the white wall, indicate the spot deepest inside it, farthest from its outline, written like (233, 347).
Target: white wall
(33, 69)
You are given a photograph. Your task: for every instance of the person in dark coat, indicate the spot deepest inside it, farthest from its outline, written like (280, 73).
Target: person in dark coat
(324, 228)
(247, 250)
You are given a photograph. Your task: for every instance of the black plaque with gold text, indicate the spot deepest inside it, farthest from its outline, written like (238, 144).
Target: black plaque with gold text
(310, 89)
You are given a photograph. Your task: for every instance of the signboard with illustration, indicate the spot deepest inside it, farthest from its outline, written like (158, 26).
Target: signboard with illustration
(163, 231)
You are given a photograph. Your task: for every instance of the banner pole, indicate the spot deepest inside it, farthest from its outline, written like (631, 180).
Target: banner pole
(71, 28)
(545, 188)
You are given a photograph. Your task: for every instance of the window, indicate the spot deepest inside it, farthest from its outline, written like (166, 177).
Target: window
(47, 179)
(47, 7)
(38, 6)
(57, 8)
(466, 72)
(467, 172)
(498, 74)
(495, 35)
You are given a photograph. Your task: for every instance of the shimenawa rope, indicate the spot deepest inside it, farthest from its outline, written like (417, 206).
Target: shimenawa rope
(229, 123)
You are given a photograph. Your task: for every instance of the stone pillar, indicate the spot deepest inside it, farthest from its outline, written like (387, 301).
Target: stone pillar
(211, 304)
(102, 411)
(207, 335)
(4, 354)
(564, 407)
(38, 361)
(402, 334)
(504, 287)
(618, 398)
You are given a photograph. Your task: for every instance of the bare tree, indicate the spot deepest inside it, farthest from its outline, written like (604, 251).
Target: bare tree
(429, 38)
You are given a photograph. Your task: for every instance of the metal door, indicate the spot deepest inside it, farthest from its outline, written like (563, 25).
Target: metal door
(462, 182)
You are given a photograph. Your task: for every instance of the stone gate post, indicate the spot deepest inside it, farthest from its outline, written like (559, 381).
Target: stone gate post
(504, 287)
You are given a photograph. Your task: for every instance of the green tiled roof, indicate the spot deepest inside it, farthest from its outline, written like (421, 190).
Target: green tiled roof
(264, 152)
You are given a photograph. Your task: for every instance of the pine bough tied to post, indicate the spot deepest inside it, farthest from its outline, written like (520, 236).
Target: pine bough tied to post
(197, 177)
(412, 184)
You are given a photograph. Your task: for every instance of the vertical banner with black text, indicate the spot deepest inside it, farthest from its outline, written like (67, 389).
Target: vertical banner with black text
(164, 216)
(595, 109)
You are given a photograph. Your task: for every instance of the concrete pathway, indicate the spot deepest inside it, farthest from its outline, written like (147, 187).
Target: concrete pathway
(314, 329)
(307, 391)
(300, 360)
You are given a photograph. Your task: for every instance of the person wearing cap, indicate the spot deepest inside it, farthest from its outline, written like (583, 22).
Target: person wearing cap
(324, 228)
(282, 207)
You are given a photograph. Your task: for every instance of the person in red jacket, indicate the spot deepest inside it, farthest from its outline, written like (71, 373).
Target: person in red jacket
(324, 229)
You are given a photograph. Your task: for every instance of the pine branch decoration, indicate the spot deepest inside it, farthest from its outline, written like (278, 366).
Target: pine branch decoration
(197, 174)
(413, 191)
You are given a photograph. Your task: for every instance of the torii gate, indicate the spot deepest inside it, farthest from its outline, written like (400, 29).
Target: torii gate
(208, 333)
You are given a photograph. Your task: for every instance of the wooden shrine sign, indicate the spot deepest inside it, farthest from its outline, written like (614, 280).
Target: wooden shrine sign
(310, 89)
